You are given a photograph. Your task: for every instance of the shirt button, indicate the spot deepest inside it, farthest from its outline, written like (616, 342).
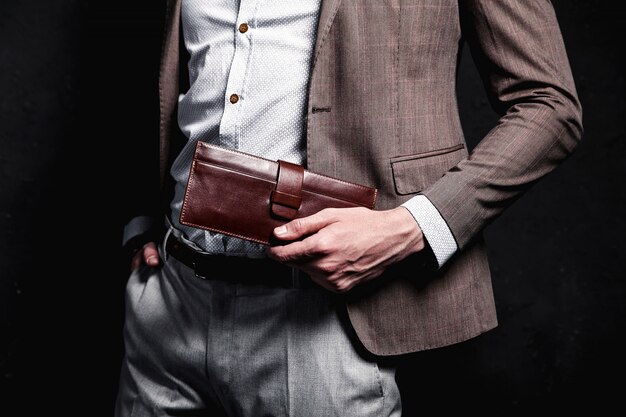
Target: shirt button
(234, 98)
(243, 28)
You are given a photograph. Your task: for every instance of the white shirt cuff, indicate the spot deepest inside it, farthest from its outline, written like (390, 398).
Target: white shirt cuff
(434, 227)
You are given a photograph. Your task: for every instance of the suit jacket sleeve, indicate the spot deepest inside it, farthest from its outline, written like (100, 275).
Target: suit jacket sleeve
(518, 49)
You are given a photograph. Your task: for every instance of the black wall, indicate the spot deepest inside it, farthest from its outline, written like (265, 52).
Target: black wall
(78, 100)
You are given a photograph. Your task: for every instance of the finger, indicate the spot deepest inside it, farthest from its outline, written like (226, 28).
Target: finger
(150, 254)
(323, 282)
(292, 253)
(304, 226)
(333, 283)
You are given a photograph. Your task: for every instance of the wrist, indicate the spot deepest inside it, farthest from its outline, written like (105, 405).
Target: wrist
(407, 229)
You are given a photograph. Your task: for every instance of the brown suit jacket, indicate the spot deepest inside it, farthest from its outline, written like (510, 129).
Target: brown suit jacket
(382, 111)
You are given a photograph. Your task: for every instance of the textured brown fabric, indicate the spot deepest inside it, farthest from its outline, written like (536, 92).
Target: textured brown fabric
(384, 74)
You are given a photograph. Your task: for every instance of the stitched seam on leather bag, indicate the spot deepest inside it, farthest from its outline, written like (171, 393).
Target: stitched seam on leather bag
(186, 199)
(372, 201)
(304, 189)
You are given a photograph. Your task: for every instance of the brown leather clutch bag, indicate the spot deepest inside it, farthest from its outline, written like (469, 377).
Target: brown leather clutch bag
(245, 196)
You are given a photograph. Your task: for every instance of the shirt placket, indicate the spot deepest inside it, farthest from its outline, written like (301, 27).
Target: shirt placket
(235, 95)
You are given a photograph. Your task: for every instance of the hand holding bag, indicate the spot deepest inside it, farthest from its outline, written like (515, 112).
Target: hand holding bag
(246, 196)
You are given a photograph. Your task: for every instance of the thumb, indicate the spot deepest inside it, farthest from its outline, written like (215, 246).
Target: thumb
(151, 254)
(305, 226)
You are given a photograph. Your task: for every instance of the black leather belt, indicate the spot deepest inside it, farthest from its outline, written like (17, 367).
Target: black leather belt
(237, 269)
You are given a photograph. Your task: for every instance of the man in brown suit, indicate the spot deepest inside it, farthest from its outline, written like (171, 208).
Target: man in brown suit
(380, 109)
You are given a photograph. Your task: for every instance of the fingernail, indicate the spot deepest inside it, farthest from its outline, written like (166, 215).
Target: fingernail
(280, 230)
(152, 260)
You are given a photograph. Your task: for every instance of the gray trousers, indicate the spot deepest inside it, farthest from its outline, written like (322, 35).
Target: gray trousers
(198, 347)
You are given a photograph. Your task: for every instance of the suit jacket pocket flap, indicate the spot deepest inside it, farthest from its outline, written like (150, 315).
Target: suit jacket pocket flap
(414, 173)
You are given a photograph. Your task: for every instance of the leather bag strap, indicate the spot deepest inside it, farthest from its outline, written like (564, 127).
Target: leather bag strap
(286, 198)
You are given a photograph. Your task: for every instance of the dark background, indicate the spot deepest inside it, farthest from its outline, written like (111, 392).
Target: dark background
(78, 100)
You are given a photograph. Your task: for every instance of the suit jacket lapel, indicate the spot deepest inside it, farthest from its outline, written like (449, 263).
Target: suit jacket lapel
(327, 14)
